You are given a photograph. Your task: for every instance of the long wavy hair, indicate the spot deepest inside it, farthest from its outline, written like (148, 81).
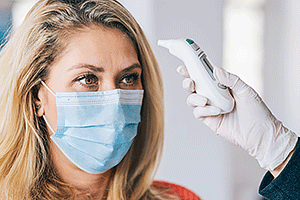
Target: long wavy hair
(26, 170)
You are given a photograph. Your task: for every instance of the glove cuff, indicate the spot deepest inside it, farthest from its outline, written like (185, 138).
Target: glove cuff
(279, 149)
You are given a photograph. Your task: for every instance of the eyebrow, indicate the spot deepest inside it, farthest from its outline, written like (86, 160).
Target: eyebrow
(100, 69)
(90, 67)
(132, 67)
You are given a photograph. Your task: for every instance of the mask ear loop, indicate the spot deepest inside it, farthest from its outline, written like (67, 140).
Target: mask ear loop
(48, 124)
(46, 86)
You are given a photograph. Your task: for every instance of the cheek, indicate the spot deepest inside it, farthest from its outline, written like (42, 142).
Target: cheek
(50, 112)
(140, 86)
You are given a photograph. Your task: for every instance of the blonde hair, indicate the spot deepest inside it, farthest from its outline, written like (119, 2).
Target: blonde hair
(26, 171)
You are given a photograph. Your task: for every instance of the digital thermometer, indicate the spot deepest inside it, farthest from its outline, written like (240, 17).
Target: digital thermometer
(201, 71)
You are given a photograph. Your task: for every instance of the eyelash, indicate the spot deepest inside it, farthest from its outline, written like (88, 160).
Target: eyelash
(88, 75)
(135, 77)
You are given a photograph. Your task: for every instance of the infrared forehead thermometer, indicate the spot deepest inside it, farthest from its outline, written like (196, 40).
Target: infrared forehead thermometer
(201, 71)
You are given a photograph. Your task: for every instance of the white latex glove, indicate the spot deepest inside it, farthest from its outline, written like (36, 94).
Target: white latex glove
(250, 125)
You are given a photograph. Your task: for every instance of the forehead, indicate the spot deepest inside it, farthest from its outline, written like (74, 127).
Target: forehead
(99, 46)
(100, 39)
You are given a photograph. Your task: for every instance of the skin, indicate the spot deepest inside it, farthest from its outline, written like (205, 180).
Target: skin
(96, 59)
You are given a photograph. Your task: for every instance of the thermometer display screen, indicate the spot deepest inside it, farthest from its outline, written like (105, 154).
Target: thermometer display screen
(208, 64)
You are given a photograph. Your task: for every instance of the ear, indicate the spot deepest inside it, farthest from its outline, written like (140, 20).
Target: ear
(39, 108)
(39, 103)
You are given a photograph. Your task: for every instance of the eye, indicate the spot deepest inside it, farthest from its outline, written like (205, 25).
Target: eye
(129, 79)
(88, 79)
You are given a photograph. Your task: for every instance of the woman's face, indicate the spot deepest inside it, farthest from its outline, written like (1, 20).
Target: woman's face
(96, 59)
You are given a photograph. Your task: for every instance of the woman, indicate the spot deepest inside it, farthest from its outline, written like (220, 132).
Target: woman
(74, 70)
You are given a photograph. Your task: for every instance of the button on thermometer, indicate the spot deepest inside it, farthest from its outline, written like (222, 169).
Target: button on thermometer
(201, 71)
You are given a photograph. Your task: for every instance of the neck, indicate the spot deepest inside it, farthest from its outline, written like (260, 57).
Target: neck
(93, 184)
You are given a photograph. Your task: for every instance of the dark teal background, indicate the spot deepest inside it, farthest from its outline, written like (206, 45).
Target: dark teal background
(5, 24)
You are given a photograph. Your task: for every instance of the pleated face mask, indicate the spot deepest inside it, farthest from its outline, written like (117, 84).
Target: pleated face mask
(96, 129)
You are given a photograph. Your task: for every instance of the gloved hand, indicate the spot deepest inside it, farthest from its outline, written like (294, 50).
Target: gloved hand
(250, 125)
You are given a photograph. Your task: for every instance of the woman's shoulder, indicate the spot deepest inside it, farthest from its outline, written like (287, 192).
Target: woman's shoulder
(183, 193)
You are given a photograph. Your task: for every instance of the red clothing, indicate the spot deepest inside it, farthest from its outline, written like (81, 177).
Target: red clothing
(182, 192)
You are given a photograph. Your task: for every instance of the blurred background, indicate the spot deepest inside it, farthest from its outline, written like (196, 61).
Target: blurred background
(256, 39)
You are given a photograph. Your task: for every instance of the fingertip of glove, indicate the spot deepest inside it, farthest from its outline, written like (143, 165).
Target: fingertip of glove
(183, 71)
(206, 111)
(180, 70)
(224, 77)
(189, 85)
(195, 100)
(220, 74)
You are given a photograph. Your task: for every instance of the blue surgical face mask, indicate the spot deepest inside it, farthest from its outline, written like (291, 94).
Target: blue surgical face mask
(96, 129)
